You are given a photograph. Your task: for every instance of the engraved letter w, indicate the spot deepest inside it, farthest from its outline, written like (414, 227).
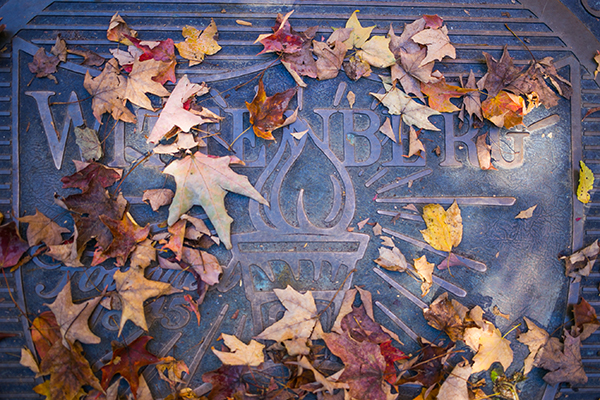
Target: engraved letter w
(56, 141)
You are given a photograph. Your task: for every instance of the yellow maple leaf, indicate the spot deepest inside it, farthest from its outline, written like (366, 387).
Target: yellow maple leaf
(586, 183)
(198, 44)
(359, 35)
(444, 227)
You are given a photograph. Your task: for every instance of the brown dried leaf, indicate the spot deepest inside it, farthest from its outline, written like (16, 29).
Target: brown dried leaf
(158, 197)
(266, 113)
(42, 229)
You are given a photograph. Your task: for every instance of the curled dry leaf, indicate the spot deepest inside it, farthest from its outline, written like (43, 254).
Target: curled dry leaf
(581, 262)
(118, 31)
(586, 321)
(356, 67)
(158, 197)
(437, 42)
(387, 130)
(413, 113)
(351, 98)
(240, 353)
(444, 316)
(133, 289)
(415, 146)
(484, 152)
(60, 49)
(267, 113)
(392, 260)
(205, 264)
(424, 271)
(90, 58)
(44, 65)
(329, 58)
(444, 227)
(198, 44)
(175, 244)
(143, 254)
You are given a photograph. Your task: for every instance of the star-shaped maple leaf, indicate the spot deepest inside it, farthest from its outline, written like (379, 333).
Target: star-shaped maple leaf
(92, 172)
(69, 371)
(140, 82)
(437, 42)
(73, 318)
(88, 208)
(163, 51)
(174, 115)
(490, 346)
(133, 289)
(203, 180)
(440, 93)
(365, 366)
(197, 43)
(240, 353)
(12, 246)
(126, 234)
(413, 113)
(283, 39)
(266, 113)
(500, 73)
(297, 323)
(108, 92)
(126, 361)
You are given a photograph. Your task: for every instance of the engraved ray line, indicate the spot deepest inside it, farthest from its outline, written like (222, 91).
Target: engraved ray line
(401, 214)
(461, 200)
(377, 176)
(452, 288)
(150, 374)
(208, 338)
(403, 181)
(239, 329)
(398, 322)
(476, 265)
(414, 299)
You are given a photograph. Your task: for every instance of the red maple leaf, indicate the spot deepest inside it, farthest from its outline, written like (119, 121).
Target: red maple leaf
(127, 361)
(126, 234)
(163, 51)
(284, 39)
(92, 172)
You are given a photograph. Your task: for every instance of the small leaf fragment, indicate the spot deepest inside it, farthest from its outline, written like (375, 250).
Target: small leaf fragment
(525, 214)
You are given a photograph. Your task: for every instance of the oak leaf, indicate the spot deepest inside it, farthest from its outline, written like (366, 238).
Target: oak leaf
(108, 92)
(267, 113)
(73, 318)
(440, 93)
(563, 360)
(140, 82)
(44, 65)
(68, 370)
(126, 234)
(444, 227)
(118, 30)
(437, 42)
(413, 113)
(586, 183)
(158, 197)
(490, 346)
(197, 43)
(443, 315)
(297, 324)
(535, 338)
(126, 361)
(240, 353)
(12, 247)
(581, 262)
(358, 35)
(42, 229)
(175, 115)
(133, 289)
(204, 181)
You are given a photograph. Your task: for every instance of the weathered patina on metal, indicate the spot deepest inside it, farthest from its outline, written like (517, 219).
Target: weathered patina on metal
(341, 172)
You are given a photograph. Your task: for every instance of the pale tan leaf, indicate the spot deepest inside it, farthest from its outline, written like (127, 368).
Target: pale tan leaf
(143, 254)
(437, 42)
(535, 338)
(28, 360)
(425, 272)
(241, 354)
(413, 113)
(362, 223)
(392, 260)
(490, 347)
(351, 98)
(387, 241)
(243, 23)
(377, 229)
(42, 229)
(158, 197)
(387, 130)
(525, 214)
(415, 146)
(455, 385)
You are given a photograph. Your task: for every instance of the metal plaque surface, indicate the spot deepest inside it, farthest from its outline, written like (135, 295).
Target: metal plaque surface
(341, 172)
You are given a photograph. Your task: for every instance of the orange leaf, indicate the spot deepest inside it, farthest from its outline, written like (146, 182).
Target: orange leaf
(504, 110)
(266, 113)
(440, 94)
